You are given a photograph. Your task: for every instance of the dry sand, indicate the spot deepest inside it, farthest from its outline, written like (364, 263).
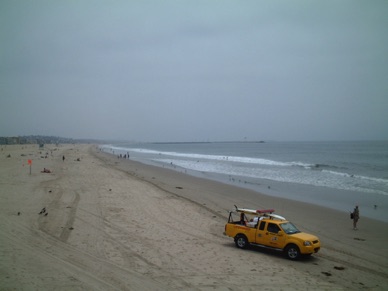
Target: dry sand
(115, 224)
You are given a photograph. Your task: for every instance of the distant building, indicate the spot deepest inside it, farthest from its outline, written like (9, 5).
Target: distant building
(40, 139)
(12, 140)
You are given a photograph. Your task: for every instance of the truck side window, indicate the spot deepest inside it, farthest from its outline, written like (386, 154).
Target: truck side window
(273, 228)
(262, 225)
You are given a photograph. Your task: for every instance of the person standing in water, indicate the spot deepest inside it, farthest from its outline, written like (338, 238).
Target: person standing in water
(356, 216)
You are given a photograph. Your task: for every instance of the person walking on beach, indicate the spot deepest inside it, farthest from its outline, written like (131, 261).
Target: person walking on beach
(63, 158)
(356, 216)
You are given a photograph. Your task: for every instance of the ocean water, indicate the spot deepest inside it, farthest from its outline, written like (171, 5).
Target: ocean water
(332, 174)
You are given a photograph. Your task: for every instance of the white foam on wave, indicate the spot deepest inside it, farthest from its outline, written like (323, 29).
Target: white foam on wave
(377, 180)
(236, 159)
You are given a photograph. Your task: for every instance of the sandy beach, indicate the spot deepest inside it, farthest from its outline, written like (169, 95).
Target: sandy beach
(115, 224)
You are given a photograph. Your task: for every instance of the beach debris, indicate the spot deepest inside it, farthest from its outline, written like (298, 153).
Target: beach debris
(50, 191)
(178, 187)
(360, 239)
(19, 213)
(339, 268)
(326, 273)
(43, 210)
(46, 214)
(71, 228)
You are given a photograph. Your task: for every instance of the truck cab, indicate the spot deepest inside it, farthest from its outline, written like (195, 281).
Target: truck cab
(265, 229)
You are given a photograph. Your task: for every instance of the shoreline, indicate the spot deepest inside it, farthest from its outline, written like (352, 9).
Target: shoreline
(122, 225)
(168, 176)
(336, 199)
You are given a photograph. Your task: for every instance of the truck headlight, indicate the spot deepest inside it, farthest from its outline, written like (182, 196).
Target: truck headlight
(307, 243)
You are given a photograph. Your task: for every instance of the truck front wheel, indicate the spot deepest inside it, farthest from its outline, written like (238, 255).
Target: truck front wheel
(292, 252)
(241, 241)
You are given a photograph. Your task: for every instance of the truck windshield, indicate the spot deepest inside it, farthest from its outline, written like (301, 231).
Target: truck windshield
(289, 228)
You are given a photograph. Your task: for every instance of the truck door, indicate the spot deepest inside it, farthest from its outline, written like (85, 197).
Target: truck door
(274, 236)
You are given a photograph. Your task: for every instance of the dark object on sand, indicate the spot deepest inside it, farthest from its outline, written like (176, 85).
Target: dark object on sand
(43, 210)
(46, 214)
(18, 213)
(339, 268)
(360, 239)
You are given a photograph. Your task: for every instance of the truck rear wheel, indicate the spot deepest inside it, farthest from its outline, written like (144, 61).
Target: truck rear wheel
(292, 252)
(241, 241)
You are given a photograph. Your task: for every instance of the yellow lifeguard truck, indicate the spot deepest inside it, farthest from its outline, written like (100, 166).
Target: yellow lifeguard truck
(265, 229)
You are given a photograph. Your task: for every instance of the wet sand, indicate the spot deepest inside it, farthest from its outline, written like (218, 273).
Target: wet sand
(115, 224)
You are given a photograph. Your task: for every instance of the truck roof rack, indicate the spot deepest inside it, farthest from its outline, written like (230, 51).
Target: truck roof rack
(260, 212)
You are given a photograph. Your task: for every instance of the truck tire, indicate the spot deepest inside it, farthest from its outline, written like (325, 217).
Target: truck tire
(292, 252)
(241, 241)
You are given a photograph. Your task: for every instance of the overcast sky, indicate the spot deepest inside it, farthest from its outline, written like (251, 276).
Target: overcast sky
(195, 70)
